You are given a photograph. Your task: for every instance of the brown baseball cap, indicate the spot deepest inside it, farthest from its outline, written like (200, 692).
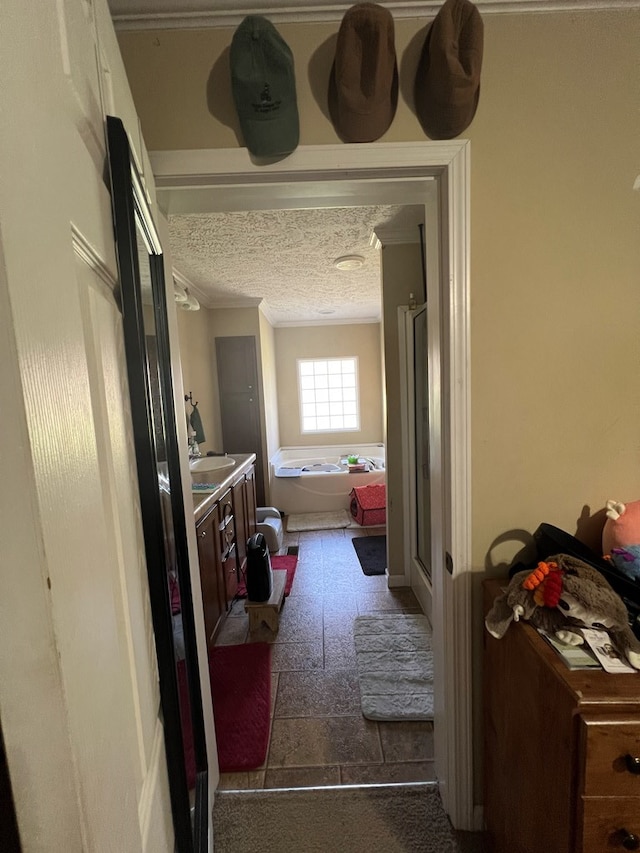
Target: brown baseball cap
(363, 86)
(447, 86)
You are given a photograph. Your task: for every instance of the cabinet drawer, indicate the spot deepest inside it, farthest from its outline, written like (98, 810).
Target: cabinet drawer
(609, 823)
(230, 569)
(226, 525)
(610, 749)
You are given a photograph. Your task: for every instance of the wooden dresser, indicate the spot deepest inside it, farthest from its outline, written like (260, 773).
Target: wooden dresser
(561, 749)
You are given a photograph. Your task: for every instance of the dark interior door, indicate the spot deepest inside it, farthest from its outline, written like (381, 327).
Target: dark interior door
(239, 400)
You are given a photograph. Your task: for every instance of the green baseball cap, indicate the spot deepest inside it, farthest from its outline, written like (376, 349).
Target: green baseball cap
(264, 88)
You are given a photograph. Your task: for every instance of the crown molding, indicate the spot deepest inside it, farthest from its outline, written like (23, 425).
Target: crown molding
(336, 321)
(383, 236)
(171, 14)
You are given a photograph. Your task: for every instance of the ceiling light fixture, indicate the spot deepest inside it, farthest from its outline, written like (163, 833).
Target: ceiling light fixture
(349, 262)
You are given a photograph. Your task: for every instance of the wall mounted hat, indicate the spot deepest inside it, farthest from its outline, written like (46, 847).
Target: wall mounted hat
(447, 84)
(363, 86)
(264, 88)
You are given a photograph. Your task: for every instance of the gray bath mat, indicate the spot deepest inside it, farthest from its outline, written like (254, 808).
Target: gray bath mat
(318, 521)
(395, 666)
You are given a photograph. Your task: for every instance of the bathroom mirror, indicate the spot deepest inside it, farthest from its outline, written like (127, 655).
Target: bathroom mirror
(148, 357)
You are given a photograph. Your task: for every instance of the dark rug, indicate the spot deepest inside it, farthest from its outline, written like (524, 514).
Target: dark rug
(241, 692)
(372, 553)
(286, 563)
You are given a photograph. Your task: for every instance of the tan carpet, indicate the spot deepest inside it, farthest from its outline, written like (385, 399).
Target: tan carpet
(318, 521)
(375, 819)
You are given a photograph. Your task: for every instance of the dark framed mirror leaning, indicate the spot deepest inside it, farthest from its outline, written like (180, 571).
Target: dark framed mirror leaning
(148, 358)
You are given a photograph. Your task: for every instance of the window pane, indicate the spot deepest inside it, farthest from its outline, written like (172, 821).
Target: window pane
(328, 394)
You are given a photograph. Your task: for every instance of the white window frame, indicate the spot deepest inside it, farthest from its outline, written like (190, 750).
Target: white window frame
(301, 361)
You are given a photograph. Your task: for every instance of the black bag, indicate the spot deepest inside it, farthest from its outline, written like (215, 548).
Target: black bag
(259, 574)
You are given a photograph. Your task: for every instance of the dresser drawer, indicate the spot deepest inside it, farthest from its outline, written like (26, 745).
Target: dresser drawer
(610, 751)
(609, 824)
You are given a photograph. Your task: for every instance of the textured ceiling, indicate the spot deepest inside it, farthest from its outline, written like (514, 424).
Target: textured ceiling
(285, 257)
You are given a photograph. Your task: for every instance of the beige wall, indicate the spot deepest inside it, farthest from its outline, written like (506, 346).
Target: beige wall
(361, 340)
(198, 373)
(401, 275)
(555, 248)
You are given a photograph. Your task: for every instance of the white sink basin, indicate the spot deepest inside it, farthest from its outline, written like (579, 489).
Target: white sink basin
(212, 464)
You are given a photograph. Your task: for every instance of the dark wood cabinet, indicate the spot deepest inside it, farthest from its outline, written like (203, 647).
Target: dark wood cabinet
(222, 531)
(559, 749)
(211, 576)
(228, 545)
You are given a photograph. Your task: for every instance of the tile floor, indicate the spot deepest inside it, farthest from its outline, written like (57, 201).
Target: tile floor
(318, 734)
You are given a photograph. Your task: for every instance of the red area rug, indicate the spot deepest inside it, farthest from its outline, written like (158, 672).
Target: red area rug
(286, 563)
(241, 692)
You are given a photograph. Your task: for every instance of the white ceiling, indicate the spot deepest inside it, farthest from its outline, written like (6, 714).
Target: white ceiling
(285, 259)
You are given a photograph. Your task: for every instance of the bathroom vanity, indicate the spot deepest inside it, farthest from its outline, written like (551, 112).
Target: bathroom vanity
(225, 518)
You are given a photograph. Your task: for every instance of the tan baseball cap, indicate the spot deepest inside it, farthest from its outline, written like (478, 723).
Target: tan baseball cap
(447, 86)
(363, 86)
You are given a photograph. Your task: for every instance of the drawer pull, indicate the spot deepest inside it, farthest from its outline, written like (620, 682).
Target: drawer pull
(633, 766)
(629, 840)
(203, 534)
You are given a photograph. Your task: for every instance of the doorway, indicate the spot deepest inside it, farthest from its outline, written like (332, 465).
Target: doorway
(319, 176)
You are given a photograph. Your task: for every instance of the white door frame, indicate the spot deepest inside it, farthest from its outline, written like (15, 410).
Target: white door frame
(210, 180)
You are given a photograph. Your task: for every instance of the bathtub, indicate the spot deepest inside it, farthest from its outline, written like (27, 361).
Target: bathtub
(317, 479)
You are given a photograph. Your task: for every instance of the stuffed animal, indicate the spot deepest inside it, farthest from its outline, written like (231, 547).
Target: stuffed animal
(560, 596)
(621, 537)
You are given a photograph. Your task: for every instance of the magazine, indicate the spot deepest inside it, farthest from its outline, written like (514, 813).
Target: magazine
(575, 657)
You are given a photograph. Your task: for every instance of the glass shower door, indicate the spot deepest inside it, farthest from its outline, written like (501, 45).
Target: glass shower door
(422, 506)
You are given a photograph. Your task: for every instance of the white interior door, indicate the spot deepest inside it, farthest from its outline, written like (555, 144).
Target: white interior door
(78, 681)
